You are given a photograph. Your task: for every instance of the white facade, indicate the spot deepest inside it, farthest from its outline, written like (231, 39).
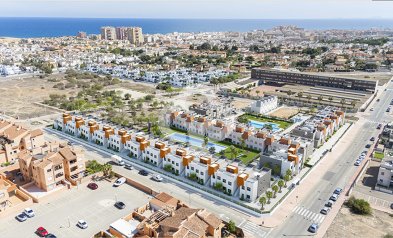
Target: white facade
(264, 105)
(385, 174)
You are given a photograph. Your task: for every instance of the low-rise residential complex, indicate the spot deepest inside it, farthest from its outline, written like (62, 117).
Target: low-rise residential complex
(214, 109)
(264, 105)
(320, 127)
(247, 183)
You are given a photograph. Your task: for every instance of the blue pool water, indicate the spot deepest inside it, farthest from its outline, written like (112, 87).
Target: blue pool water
(258, 125)
(195, 141)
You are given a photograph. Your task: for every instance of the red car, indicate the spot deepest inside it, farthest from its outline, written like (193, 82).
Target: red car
(42, 232)
(92, 186)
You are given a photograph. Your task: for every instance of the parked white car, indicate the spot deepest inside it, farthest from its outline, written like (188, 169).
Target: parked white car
(29, 212)
(82, 224)
(119, 182)
(157, 178)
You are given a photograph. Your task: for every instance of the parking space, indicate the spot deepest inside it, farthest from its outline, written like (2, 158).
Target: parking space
(60, 213)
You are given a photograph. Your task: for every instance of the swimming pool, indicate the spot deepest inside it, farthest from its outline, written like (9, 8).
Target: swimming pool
(258, 125)
(195, 141)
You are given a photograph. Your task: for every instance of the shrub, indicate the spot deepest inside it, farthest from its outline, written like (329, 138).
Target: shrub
(359, 206)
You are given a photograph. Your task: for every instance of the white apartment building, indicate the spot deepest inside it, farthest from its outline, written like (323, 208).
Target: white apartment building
(177, 161)
(136, 145)
(264, 105)
(226, 175)
(200, 169)
(155, 155)
(385, 174)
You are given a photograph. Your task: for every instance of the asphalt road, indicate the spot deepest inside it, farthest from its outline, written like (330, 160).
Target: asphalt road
(308, 210)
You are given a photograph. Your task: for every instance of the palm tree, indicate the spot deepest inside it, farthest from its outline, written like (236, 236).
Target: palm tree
(233, 151)
(275, 189)
(286, 179)
(262, 201)
(280, 184)
(342, 102)
(107, 169)
(205, 141)
(320, 98)
(269, 195)
(300, 95)
(288, 172)
(330, 99)
(257, 92)
(309, 98)
(353, 104)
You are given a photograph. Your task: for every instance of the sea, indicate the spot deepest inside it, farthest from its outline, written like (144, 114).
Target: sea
(54, 27)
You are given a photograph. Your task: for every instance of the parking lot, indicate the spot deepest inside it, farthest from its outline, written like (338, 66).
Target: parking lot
(60, 213)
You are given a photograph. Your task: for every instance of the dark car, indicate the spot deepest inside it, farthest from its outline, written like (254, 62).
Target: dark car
(368, 146)
(50, 236)
(42, 232)
(338, 191)
(372, 138)
(120, 205)
(379, 126)
(143, 172)
(92, 186)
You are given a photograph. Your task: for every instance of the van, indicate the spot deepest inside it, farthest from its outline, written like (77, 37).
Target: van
(117, 160)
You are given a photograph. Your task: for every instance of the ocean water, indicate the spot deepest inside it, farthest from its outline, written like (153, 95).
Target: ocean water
(52, 27)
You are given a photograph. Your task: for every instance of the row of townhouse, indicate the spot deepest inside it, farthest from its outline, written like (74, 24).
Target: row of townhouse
(322, 126)
(246, 183)
(288, 153)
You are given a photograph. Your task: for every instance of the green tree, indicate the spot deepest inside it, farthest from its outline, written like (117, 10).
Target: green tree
(358, 206)
(231, 227)
(233, 151)
(289, 173)
(269, 195)
(262, 201)
(205, 141)
(280, 184)
(193, 176)
(212, 150)
(218, 186)
(257, 92)
(286, 179)
(276, 169)
(106, 169)
(275, 190)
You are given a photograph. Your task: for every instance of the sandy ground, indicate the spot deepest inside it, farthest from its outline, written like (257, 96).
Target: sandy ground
(140, 87)
(349, 225)
(285, 112)
(134, 94)
(262, 89)
(18, 96)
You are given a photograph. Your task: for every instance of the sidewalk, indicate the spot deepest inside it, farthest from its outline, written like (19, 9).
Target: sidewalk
(310, 181)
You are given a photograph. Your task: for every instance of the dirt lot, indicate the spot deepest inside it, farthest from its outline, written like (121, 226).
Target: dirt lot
(139, 87)
(349, 225)
(18, 96)
(262, 89)
(284, 112)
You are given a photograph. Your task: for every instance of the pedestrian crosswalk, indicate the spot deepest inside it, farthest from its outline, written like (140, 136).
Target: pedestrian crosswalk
(315, 217)
(252, 229)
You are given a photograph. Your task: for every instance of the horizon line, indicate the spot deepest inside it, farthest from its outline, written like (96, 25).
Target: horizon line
(165, 18)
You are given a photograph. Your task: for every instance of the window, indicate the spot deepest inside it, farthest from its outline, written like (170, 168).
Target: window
(49, 170)
(202, 173)
(229, 183)
(382, 173)
(218, 177)
(224, 180)
(248, 189)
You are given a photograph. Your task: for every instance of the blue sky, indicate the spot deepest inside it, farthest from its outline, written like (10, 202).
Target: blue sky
(228, 9)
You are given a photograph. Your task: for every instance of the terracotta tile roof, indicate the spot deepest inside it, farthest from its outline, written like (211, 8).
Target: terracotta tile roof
(14, 131)
(4, 124)
(67, 153)
(36, 133)
(209, 218)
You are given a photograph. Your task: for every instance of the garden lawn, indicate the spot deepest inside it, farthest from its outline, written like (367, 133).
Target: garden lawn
(245, 156)
(378, 155)
(282, 124)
